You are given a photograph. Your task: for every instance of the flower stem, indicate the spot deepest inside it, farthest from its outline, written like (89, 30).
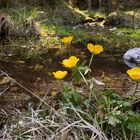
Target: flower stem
(91, 60)
(135, 91)
(83, 77)
(69, 49)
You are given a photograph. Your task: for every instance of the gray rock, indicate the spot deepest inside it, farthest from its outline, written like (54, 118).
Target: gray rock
(132, 57)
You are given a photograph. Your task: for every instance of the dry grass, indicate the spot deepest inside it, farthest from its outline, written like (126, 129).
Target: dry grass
(57, 125)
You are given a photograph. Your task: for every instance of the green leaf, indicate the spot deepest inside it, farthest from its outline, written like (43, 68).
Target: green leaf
(76, 75)
(134, 127)
(77, 97)
(126, 104)
(134, 122)
(67, 92)
(88, 101)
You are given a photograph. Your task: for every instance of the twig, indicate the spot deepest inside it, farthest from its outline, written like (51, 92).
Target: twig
(31, 93)
(44, 98)
(83, 77)
(65, 128)
(4, 90)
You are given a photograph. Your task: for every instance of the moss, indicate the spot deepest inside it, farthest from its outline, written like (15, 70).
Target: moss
(48, 21)
(124, 19)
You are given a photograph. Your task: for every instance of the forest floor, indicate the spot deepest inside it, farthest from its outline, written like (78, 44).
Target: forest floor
(35, 105)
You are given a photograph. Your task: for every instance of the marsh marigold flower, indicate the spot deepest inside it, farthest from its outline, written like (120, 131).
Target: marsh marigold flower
(60, 74)
(70, 62)
(134, 73)
(94, 49)
(67, 40)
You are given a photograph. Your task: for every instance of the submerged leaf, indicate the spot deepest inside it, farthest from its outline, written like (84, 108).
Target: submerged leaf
(5, 80)
(38, 67)
(54, 93)
(38, 79)
(20, 62)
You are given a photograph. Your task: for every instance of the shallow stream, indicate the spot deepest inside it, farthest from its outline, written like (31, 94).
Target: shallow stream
(19, 78)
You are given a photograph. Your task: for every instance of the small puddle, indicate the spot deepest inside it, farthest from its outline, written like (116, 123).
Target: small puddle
(111, 72)
(108, 69)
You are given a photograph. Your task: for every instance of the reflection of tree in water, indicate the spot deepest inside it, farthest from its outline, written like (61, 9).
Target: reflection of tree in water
(5, 49)
(4, 26)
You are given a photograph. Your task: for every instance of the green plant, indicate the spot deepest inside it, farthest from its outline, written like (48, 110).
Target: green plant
(112, 111)
(24, 15)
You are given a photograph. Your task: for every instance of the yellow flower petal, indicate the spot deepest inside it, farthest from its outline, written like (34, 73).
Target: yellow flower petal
(95, 49)
(60, 74)
(67, 40)
(70, 62)
(134, 73)
(43, 33)
(90, 47)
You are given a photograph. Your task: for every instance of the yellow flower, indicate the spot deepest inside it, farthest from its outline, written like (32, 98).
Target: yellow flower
(134, 73)
(70, 62)
(67, 40)
(43, 33)
(95, 49)
(60, 74)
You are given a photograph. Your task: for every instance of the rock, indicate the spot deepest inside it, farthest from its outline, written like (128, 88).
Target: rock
(132, 57)
(122, 19)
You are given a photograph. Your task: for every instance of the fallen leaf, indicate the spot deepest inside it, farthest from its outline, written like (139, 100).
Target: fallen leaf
(99, 83)
(13, 89)
(38, 67)
(38, 79)
(54, 93)
(20, 62)
(5, 80)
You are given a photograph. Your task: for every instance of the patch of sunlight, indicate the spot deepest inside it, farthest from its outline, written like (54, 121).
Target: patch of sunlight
(81, 12)
(90, 13)
(113, 13)
(130, 32)
(99, 14)
(137, 12)
(135, 35)
(129, 12)
(50, 29)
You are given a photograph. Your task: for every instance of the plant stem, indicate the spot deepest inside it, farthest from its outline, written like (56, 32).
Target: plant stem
(124, 133)
(135, 91)
(91, 60)
(69, 50)
(83, 77)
